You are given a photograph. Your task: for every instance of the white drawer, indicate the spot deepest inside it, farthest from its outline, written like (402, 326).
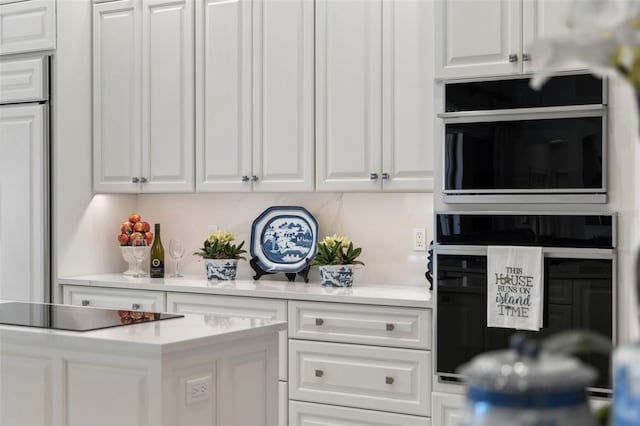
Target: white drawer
(27, 26)
(363, 324)
(23, 79)
(306, 414)
(137, 300)
(387, 379)
(189, 303)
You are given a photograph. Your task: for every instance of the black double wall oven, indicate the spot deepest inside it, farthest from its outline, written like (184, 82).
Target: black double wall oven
(579, 281)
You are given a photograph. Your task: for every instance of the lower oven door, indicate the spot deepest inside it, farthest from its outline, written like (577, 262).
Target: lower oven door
(579, 293)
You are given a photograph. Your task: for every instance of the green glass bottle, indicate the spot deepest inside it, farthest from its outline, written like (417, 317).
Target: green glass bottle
(156, 255)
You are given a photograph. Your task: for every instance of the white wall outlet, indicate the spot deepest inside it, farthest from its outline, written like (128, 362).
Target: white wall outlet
(211, 228)
(198, 389)
(419, 239)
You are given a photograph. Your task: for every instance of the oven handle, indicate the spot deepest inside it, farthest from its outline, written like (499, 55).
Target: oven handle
(557, 252)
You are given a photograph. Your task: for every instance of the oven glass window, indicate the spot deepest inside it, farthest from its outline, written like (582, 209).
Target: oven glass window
(559, 153)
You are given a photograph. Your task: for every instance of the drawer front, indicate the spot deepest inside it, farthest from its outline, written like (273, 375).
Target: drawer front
(387, 379)
(189, 303)
(27, 26)
(306, 414)
(362, 324)
(23, 79)
(135, 300)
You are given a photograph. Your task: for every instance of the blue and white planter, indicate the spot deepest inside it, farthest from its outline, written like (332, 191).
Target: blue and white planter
(336, 275)
(221, 269)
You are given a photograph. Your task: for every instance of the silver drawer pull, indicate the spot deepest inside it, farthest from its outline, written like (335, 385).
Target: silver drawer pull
(390, 327)
(388, 380)
(513, 58)
(319, 321)
(85, 303)
(135, 306)
(319, 373)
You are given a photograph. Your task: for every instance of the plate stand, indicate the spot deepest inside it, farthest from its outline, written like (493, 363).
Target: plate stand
(291, 276)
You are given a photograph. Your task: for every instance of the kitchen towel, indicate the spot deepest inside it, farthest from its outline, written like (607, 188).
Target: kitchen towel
(515, 277)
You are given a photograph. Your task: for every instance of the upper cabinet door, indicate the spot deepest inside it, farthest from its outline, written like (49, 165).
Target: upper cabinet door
(348, 95)
(478, 38)
(116, 96)
(27, 26)
(167, 95)
(283, 95)
(408, 115)
(542, 19)
(223, 98)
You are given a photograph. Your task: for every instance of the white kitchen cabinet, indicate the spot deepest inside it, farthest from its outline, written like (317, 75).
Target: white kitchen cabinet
(143, 89)
(24, 79)
(255, 98)
(23, 219)
(27, 26)
(448, 409)
(373, 85)
(135, 300)
(306, 414)
(477, 38)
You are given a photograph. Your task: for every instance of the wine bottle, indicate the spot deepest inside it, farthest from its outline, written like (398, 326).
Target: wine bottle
(156, 255)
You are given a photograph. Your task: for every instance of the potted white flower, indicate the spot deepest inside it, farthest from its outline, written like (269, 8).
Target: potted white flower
(336, 257)
(221, 256)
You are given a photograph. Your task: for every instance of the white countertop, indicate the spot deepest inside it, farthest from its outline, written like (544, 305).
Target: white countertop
(152, 338)
(388, 295)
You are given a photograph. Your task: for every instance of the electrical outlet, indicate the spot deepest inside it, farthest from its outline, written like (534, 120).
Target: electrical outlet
(419, 239)
(198, 389)
(211, 228)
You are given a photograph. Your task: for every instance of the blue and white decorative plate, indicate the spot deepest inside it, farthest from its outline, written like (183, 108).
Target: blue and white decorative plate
(283, 238)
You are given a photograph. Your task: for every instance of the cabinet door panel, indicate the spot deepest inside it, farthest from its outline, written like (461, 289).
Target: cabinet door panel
(476, 37)
(22, 202)
(116, 96)
(27, 26)
(167, 95)
(223, 98)
(348, 94)
(408, 96)
(448, 409)
(283, 121)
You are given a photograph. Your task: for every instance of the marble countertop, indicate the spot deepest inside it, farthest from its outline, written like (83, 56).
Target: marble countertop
(153, 338)
(361, 293)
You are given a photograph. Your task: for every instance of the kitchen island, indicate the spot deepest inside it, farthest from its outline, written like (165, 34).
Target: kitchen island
(191, 370)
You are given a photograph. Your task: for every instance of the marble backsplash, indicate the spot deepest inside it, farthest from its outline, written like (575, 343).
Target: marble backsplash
(381, 224)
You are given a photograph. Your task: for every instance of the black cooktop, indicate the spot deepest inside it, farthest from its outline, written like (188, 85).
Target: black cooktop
(73, 318)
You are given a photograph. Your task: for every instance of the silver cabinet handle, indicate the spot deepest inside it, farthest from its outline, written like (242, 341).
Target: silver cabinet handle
(245, 178)
(319, 321)
(254, 178)
(85, 303)
(526, 57)
(513, 58)
(135, 180)
(319, 373)
(385, 176)
(388, 380)
(135, 306)
(143, 179)
(390, 327)
(373, 176)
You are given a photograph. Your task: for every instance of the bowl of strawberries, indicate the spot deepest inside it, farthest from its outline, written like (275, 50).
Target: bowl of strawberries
(132, 232)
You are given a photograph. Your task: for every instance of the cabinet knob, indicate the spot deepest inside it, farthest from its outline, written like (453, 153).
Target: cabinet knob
(254, 178)
(319, 373)
(135, 306)
(526, 57)
(390, 327)
(385, 176)
(85, 303)
(373, 176)
(319, 321)
(135, 179)
(245, 178)
(388, 380)
(143, 179)
(513, 58)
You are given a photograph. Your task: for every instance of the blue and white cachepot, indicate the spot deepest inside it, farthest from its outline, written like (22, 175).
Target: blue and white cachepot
(336, 275)
(221, 269)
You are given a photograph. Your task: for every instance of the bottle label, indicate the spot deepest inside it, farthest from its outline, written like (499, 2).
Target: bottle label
(157, 268)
